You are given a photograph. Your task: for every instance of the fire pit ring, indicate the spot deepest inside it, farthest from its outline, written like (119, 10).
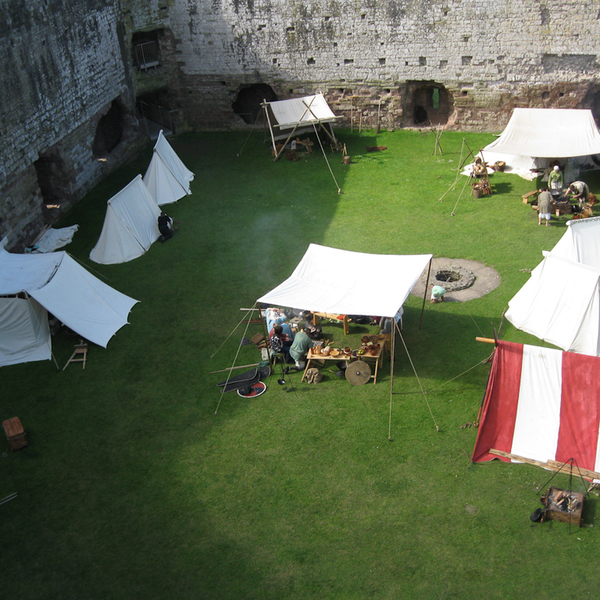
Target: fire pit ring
(453, 278)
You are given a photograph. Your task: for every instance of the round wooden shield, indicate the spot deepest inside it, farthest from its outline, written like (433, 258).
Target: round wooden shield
(358, 372)
(252, 391)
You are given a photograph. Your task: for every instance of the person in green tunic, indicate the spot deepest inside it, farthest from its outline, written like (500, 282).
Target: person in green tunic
(556, 182)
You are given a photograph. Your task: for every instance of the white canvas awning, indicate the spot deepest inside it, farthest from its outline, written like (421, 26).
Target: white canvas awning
(167, 178)
(340, 281)
(288, 114)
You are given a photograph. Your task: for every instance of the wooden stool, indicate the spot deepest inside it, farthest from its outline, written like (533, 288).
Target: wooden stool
(80, 354)
(14, 433)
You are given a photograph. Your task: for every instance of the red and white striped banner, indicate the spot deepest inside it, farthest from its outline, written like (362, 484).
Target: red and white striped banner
(541, 404)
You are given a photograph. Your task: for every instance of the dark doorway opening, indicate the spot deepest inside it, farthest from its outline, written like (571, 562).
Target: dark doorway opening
(109, 131)
(592, 101)
(428, 103)
(53, 179)
(249, 99)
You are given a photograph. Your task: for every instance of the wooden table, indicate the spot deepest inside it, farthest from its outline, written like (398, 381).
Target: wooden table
(311, 357)
(335, 317)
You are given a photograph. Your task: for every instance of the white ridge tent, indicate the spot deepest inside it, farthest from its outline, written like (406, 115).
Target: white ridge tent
(536, 136)
(35, 283)
(286, 118)
(130, 225)
(581, 242)
(560, 304)
(167, 178)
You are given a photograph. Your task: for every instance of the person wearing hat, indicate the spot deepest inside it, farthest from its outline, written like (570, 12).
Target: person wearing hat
(437, 294)
(556, 182)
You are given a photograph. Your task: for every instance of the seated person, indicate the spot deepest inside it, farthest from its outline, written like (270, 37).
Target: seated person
(303, 342)
(275, 315)
(280, 342)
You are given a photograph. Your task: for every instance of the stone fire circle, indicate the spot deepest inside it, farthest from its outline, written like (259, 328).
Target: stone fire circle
(463, 279)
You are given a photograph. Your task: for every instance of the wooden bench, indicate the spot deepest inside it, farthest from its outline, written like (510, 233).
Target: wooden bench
(529, 195)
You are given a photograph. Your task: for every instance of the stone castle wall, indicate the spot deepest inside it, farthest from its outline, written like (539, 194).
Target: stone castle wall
(67, 70)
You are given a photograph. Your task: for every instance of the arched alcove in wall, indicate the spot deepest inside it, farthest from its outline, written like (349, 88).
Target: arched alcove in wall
(592, 101)
(249, 99)
(428, 103)
(109, 131)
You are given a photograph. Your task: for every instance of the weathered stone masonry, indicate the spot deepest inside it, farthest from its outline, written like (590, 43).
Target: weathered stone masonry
(78, 75)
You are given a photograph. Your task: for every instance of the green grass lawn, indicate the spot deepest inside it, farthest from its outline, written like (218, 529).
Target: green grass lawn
(133, 488)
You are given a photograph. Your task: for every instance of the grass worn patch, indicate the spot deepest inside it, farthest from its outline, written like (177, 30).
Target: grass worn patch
(132, 486)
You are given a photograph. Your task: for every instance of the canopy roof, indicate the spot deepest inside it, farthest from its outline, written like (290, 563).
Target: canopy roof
(560, 304)
(548, 133)
(340, 281)
(287, 114)
(130, 225)
(74, 296)
(167, 178)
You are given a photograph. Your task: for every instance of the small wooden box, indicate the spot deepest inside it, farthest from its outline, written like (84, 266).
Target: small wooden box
(14, 433)
(562, 505)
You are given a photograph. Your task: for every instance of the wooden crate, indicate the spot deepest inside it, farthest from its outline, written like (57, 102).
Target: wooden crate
(14, 433)
(562, 505)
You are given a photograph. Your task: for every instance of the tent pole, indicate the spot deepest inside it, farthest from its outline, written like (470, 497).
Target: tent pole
(268, 120)
(425, 292)
(392, 351)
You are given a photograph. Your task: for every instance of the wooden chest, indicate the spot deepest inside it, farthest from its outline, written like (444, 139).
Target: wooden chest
(14, 433)
(562, 505)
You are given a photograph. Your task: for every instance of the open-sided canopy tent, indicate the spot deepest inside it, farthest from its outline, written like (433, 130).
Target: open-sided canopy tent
(167, 178)
(62, 287)
(286, 118)
(536, 136)
(130, 225)
(560, 304)
(541, 404)
(336, 281)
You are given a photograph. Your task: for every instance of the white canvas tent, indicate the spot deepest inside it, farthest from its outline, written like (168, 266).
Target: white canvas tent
(536, 136)
(62, 287)
(560, 304)
(286, 118)
(167, 178)
(581, 242)
(130, 225)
